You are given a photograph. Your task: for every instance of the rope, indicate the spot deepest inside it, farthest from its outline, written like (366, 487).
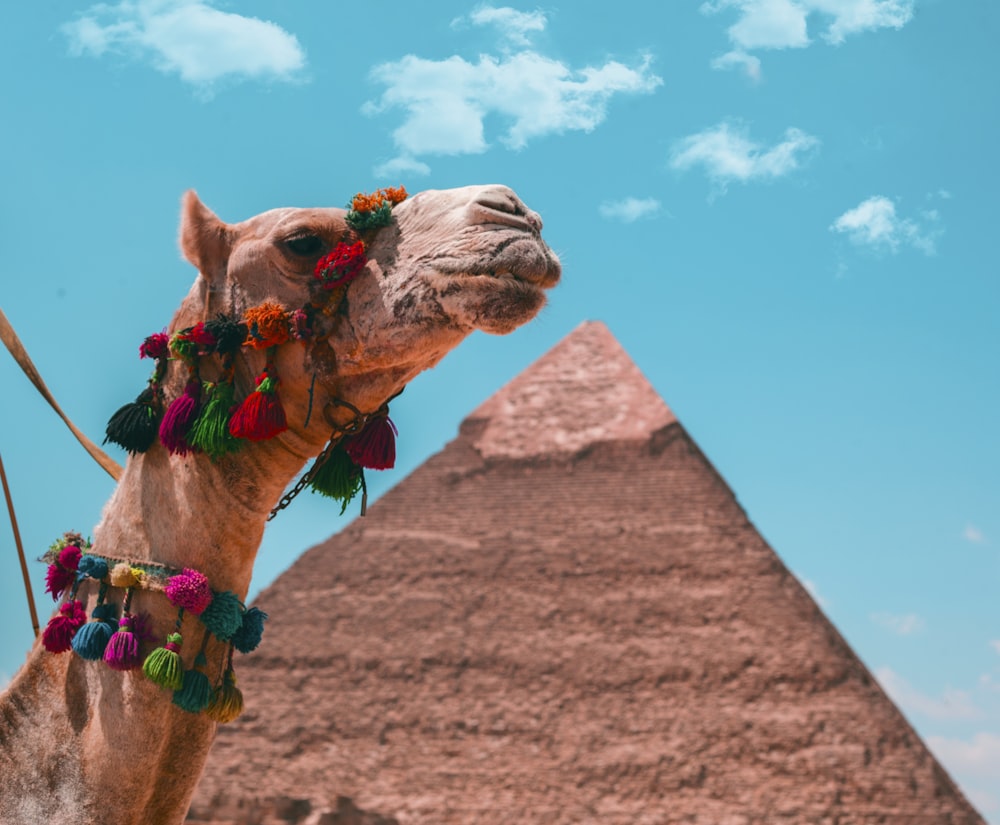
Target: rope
(16, 348)
(20, 549)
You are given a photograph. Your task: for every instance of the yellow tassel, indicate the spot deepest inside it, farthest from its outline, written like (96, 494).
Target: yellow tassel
(227, 703)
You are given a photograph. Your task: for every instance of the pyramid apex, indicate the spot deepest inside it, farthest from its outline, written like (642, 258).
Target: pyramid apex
(585, 390)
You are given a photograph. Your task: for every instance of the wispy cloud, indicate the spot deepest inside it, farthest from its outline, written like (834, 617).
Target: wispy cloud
(446, 102)
(516, 26)
(995, 644)
(973, 534)
(630, 209)
(980, 756)
(739, 59)
(784, 24)
(874, 223)
(727, 154)
(953, 704)
(189, 38)
(904, 625)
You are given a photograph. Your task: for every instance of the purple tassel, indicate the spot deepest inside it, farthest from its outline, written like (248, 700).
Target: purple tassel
(179, 418)
(122, 652)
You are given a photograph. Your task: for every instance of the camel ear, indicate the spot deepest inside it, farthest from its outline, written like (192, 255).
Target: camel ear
(205, 240)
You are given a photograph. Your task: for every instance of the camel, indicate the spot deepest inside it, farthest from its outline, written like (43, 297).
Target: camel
(83, 743)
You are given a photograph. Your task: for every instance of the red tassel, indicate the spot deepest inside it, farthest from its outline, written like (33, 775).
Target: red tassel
(261, 415)
(374, 448)
(59, 632)
(62, 572)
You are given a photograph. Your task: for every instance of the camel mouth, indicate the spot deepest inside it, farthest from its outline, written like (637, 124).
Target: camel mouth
(524, 258)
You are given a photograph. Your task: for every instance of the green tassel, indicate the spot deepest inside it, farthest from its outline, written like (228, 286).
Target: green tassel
(338, 478)
(196, 693)
(227, 702)
(224, 616)
(210, 432)
(163, 665)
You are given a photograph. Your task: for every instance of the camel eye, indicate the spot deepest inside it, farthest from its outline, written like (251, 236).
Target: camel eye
(306, 246)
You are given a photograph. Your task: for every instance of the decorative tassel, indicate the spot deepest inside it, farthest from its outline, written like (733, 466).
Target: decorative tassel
(122, 651)
(189, 590)
(124, 575)
(374, 448)
(92, 567)
(338, 478)
(227, 701)
(59, 632)
(267, 325)
(163, 665)
(196, 691)
(261, 415)
(210, 432)
(224, 616)
(92, 639)
(134, 426)
(62, 572)
(229, 334)
(179, 418)
(248, 637)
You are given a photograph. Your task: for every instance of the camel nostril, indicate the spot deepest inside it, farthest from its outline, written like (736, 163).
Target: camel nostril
(502, 207)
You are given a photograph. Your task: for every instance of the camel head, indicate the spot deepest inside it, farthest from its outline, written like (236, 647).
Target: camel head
(447, 263)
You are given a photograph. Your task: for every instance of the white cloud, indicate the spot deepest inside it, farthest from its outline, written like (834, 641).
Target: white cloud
(739, 59)
(953, 704)
(630, 209)
(784, 24)
(447, 101)
(728, 154)
(516, 26)
(189, 38)
(900, 625)
(973, 534)
(874, 223)
(978, 757)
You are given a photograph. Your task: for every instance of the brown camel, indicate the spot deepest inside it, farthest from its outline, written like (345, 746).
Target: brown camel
(83, 743)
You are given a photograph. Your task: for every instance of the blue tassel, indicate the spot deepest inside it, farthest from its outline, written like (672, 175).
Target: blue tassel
(91, 639)
(196, 692)
(224, 616)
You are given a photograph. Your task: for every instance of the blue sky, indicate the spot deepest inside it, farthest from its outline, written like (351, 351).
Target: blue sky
(783, 209)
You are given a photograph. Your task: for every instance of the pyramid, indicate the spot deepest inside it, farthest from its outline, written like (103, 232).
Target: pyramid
(563, 617)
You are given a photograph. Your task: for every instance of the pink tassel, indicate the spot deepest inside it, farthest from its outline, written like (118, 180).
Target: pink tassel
(62, 572)
(374, 448)
(179, 418)
(59, 632)
(122, 652)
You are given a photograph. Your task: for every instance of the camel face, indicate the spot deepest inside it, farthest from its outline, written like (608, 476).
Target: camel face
(451, 261)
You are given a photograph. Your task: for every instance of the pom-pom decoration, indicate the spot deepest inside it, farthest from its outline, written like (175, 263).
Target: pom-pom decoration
(155, 346)
(341, 265)
(267, 326)
(124, 575)
(91, 567)
(261, 415)
(229, 334)
(59, 632)
(189, 590)
(179, 418)
(251, 630)
(62, 572)
(224, 616)
(372, 211)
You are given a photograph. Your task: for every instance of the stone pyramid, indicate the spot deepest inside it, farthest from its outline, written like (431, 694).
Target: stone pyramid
(562, 617)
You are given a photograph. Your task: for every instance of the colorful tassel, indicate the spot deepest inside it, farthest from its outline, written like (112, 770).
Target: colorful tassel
(196, 690)
(134, 426)
(92, 639)
(122, 651)
(163, 665)
(248, 637)
(210, 432)
(124, 575)
(227, 701)
(189, 590)
(62, 572)
(91, 567)
(261, 415)
(374, 448)
(224, 616)
(267, 325)
(59, 632)
(179, 418)
(338, 478)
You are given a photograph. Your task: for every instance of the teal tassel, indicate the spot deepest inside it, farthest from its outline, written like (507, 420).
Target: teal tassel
(91, 639)
(224, 616)
(251, 630)
(210, 432)
(163, 665)
(196, 693)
